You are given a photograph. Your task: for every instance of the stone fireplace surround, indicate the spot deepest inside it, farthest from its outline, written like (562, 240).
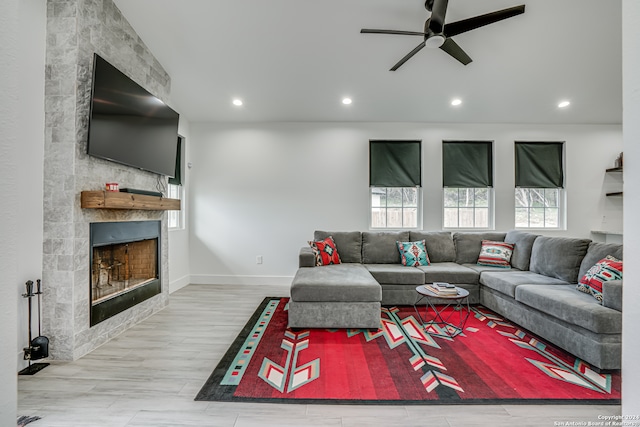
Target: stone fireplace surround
(75, 30)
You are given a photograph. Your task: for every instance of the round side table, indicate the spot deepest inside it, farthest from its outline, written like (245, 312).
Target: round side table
(450, 324)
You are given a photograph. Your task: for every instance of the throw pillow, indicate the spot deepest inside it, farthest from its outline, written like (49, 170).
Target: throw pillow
(325, 251)
(413, 254)
(608, 268)
(495, 254)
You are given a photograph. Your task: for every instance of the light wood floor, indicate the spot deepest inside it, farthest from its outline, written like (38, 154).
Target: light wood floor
(149, 376)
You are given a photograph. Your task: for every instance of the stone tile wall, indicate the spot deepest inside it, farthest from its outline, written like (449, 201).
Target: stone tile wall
(75, 30)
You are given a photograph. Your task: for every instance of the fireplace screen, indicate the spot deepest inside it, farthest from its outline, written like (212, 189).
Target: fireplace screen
(119, 268)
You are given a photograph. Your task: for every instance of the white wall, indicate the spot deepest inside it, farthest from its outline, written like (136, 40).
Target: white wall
(9, 12)
(30, 158)
(631, 115)
(261, 189)
(22, 31)
(179, 239)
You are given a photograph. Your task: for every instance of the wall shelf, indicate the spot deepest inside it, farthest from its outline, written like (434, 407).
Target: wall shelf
(117, 200)
(614, 169)
(615, 193)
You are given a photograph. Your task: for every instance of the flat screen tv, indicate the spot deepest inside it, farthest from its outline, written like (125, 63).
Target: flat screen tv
(128, 125)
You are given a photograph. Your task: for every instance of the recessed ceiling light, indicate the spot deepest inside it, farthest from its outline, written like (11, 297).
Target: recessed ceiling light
(237, 102)
(456, 102)
(346, 101)
(564, 104)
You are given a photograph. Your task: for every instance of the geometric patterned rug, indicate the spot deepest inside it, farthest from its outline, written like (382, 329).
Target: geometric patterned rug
(492, 361)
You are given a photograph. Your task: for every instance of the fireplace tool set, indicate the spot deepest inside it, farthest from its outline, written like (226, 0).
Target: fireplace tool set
(38, 347)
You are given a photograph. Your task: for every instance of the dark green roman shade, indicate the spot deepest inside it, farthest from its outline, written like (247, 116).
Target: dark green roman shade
(395, 164)
(467, 164)
(177, 179)
(539, 164)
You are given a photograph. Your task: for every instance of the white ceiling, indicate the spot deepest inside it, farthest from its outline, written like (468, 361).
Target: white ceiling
(294, 60)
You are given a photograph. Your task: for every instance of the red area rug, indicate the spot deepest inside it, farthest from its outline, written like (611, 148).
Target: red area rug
(493, 361)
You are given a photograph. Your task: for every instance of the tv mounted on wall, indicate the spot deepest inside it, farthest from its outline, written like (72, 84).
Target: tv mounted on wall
(128, 125)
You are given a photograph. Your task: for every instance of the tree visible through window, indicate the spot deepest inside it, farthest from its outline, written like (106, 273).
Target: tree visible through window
(538, 207)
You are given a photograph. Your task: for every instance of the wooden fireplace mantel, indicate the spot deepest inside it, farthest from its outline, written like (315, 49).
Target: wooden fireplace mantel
(117, 200)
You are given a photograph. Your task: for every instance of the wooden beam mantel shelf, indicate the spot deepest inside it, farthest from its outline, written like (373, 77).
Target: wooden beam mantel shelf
(117, 200)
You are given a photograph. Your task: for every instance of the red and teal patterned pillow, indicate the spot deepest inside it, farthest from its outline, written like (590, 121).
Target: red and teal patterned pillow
(495, 254)
(413, 254)
(608, 268)
(325, 251)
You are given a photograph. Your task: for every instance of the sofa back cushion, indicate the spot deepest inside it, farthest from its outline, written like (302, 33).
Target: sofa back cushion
(522, 244)
(379, 247)
(440, 247)
(468, 245)
(348, 243)
(596, 252)
(558, 257)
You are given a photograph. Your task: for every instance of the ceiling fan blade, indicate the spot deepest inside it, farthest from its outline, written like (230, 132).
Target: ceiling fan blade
(465, 25)
(456, 51)
(402, 33)
(408, 56)
(438, 12)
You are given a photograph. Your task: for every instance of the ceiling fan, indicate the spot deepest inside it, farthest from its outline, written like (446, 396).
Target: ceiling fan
(438, 34)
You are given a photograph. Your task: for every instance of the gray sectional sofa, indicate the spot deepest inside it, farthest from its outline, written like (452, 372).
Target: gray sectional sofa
(538, 292)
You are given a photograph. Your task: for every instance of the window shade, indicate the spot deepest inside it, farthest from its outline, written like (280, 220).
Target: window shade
(177, 179)
(467, 164)
(395, 164)
(539, 164)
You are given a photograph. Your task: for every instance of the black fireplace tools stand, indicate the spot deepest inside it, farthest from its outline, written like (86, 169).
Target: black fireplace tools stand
(38, 347)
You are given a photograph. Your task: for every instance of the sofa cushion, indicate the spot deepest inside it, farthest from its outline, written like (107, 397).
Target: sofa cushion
(348, 243)
(396, 274)
(495, 254)
(558, 257)
(598, 251)
(468, 245)
(612, 294)
(413, 254)
(577, 308)
(522, 244)
(325, 251)
(449, 272)
(608, 268)
(440, 247)
(379, 247)
(506, 282)
(337, 282)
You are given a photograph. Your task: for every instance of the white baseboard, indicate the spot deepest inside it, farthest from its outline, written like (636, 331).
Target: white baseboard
(179, 284)
(217, 279)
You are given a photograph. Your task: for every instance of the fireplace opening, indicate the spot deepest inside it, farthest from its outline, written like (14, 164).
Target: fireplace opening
(124, 266)
(119, 268)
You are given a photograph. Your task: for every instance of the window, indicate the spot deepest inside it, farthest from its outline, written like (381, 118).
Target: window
(394, 207)
(467, 180)
(538, 207)
(539, 194)
(175, 217)
(175, 189)
(466, 207)
(394, 181)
